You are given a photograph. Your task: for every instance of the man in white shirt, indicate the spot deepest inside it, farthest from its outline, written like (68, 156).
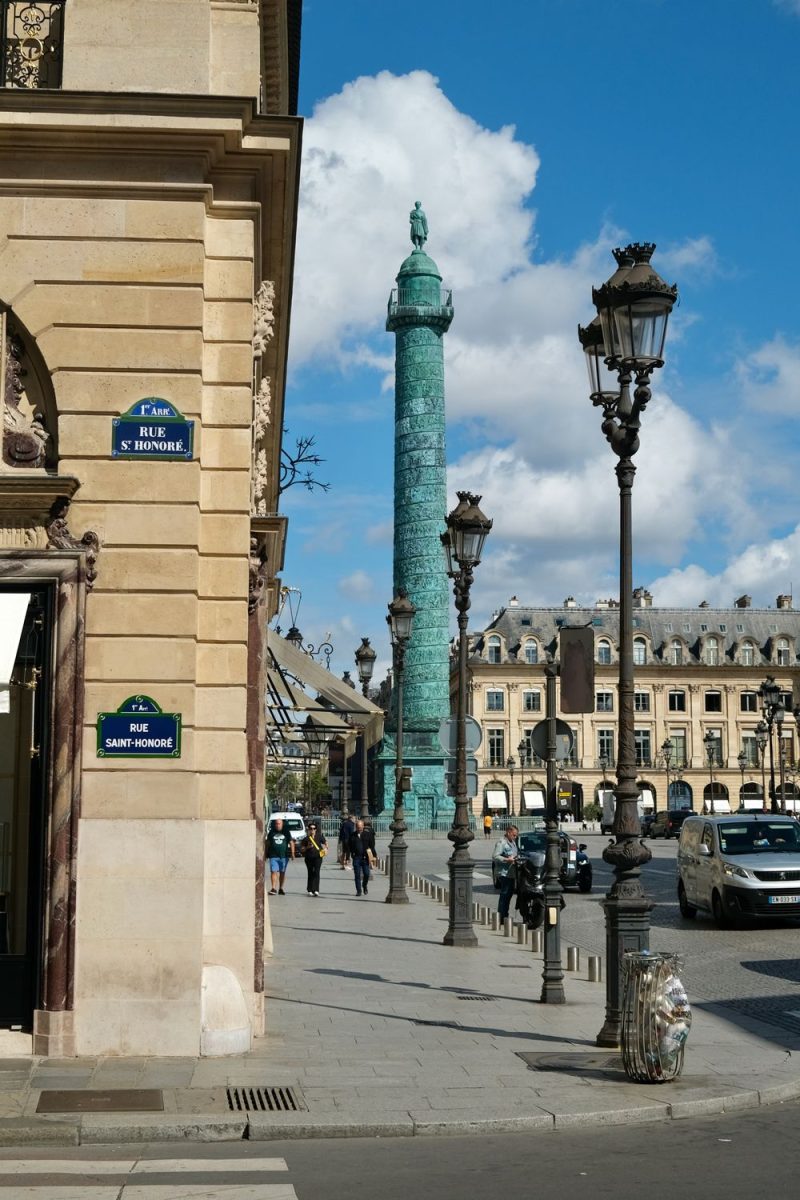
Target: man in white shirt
(505, 855)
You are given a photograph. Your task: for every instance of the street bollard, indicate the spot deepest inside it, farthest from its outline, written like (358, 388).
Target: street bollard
(536, 941)
(573, 958)
(507, 927)
(446, 896)
(495, 922)
(595, 964)
(521, 931)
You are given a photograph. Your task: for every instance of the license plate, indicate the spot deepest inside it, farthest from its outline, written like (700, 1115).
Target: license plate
(784, 899)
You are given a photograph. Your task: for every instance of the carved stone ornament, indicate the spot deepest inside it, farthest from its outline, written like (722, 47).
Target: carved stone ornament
(262, 416)
(258, 571)
(60, 538)
(25, 436)
(263, 317)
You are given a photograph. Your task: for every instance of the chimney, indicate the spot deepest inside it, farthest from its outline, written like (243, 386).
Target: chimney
(642, 598)
(570, 602)
(602, 604)
(743, 602)
(784, 602)
(513, 602)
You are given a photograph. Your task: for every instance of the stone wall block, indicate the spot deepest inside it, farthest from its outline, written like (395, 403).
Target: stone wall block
(120, 795)
(164, 616)
(220, 707)
(227, 449)
(140, 658)
(228, 279)
(135, 568)
(228, 321)
(227, 362)
(89, 391)
(220, 750)
(221, 664)
(224, 534)
(223, 577)
(225, 491)
(222, 621)
(229, 237)
(144, 481)
(142, 524)
(228, 406)
(139, 349)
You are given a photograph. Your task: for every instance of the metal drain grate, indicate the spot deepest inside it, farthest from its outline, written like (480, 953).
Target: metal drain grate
(264, 1099)
(476, 996)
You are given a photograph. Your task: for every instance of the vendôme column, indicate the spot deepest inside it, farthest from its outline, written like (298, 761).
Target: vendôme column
(419, 315)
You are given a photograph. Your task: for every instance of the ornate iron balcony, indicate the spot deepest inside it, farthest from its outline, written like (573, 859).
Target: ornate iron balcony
(32, 43)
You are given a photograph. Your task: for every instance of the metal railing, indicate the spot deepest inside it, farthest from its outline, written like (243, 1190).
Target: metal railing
(31, 43)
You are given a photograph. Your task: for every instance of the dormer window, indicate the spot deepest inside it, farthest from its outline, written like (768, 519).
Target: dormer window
(639, 652)
(676, 653)
(712, 652)
(604, 653)
(531, 652)
(782, 652)
(494, 649)
(747, 654)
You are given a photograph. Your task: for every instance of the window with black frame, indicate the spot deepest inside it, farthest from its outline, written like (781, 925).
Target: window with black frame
(32, 42)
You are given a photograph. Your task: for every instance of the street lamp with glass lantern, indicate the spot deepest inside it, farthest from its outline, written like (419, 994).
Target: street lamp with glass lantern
(623, 345)
(761, 741)
(510, 765)
(710, 743)
(365, 661)
(741, 758)
(774, 713)
(667, 747)
(401, 623)
(463, 542)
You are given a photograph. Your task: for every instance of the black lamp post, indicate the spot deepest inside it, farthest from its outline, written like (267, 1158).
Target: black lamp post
(365, 661)
(710, 743)
(667, 746)
(463, 542)
(761, 741)
(774, 713)
(510, 765)
(741, 758)
(625, 344)
(401, 623)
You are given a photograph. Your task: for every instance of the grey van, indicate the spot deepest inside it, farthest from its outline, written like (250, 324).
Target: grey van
(737, 866)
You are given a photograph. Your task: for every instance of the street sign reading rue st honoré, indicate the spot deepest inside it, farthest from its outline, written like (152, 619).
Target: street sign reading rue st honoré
(152, 428)
(139, 729)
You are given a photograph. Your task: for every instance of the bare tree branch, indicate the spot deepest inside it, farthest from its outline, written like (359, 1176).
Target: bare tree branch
(298, 467)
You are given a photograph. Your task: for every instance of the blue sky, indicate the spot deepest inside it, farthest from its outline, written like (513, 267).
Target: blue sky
(538, 134)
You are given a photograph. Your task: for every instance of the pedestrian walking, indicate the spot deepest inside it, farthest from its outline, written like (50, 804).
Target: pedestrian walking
(279, 849)
(362, 852)
(313, 849)
(346, 831)
(505, 856)
(487, 825)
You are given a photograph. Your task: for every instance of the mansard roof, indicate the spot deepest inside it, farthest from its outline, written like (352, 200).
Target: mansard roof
(691, 626)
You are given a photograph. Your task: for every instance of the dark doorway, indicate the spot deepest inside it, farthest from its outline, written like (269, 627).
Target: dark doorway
(24, 754)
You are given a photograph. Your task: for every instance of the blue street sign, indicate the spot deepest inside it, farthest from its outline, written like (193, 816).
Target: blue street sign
(139, 729)
(152, 428)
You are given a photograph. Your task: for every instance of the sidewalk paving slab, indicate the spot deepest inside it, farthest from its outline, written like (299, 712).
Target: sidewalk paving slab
(382, 1031)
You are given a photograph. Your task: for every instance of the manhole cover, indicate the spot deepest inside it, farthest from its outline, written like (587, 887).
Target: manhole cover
(265, 1099)
(578, 1064)
(118, 1100)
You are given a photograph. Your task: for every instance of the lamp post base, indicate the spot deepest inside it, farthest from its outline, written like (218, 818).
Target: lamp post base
(397, 871)
(459, 930)
(627, 911)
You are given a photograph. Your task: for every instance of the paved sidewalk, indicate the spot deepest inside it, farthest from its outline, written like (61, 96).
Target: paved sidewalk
(381, 1030)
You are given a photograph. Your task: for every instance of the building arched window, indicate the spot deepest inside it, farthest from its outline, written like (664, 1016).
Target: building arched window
(494, 649)
(782, 655)
(604, 652)
(531, 652)
(639, 652)
(676, 653)
(712, 652)
(747, 654)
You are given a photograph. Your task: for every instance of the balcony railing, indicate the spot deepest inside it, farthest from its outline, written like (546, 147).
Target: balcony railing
(31, 44)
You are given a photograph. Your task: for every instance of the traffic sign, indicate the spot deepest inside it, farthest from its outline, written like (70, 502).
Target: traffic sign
(565, 739)
(472, 779)
(448, 734)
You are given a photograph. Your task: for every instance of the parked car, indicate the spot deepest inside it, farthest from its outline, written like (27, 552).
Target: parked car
(739, 866)
(667, 823)
(535, 843)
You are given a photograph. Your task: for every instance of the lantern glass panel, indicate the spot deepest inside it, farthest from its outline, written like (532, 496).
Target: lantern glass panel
(641, 330)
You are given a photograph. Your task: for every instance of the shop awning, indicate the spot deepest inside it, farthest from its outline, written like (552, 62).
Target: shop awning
(496, 798)
(533, 799)
(13, 609)
(290, 670)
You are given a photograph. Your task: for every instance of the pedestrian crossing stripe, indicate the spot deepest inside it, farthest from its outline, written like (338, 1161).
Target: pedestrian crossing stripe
(142, 1179)
(136, 1166)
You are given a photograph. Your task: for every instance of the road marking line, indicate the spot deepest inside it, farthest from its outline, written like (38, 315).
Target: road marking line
(205, 1191)
(65, 1166)
(152, 1166)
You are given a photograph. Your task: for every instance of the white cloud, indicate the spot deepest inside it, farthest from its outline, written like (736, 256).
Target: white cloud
(357, 586)
(369, 152)
(692, 255)
(763, 570)
(792, 6)
(769, 378)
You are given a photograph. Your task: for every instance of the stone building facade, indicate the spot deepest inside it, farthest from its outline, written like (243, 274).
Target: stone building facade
(697, 671)
(149, 161)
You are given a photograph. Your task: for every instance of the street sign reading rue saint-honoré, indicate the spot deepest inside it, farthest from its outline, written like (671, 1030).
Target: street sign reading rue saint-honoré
(152, 428)
(139, 729)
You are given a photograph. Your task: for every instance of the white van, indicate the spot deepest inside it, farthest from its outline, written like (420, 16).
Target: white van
(744, 865)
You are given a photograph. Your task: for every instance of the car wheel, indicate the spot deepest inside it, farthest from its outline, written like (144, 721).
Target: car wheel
(717, 908)
(687, 910)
